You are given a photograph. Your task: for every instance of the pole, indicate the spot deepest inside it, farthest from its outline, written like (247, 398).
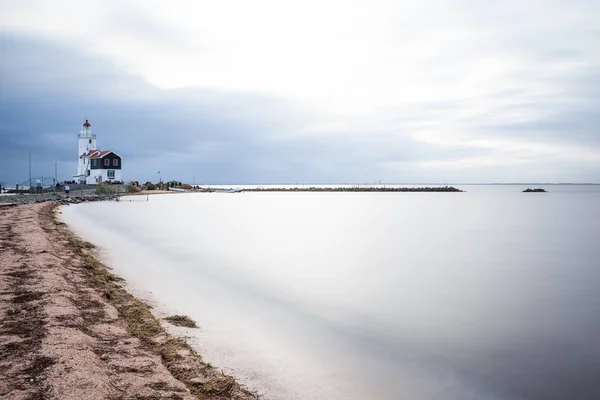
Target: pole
(55, 175)
(29, 172)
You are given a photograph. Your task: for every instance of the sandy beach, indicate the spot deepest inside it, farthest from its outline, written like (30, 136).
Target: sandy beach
(71, 331)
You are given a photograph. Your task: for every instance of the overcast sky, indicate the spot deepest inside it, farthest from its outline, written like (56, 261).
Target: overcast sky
(305, 91)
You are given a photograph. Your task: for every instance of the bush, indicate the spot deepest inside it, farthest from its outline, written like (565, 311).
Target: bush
(133, 189)
(102, 189)
(186, 186)
(150, 186)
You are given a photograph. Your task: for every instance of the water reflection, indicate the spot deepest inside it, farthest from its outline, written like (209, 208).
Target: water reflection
(488, 294)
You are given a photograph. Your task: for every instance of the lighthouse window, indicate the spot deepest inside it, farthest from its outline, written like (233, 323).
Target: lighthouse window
(90, 141)
(111, 173)
(115, 162)
(107, 162)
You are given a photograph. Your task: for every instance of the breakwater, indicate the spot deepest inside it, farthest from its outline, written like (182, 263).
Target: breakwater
(356, 189)
(539, 190)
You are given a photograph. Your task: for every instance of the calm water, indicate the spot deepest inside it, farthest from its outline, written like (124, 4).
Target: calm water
(488, 294)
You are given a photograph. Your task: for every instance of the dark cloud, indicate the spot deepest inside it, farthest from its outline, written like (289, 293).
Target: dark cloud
(47, 89)
(209, 136)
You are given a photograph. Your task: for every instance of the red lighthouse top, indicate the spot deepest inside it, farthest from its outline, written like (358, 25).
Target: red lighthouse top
(87, 124)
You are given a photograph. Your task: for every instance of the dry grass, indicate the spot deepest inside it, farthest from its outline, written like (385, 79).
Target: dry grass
(182, 320)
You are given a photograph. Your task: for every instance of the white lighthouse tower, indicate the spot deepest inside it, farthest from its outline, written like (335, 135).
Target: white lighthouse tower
(87, 143)
(96, 166)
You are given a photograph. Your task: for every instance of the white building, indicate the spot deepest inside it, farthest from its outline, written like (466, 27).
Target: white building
(96, 166)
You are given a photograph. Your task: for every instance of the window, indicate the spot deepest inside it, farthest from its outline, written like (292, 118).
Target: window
(110, 173)
(116, 162)
(90, 141)
(107, 162)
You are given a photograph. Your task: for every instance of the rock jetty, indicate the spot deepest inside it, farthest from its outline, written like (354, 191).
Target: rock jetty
(538, 190)
(357, 189)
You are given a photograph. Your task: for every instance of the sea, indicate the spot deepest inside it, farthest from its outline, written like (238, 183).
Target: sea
(489, 294)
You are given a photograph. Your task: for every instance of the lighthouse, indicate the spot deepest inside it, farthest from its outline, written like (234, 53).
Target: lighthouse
(94, 165)
(87, 143)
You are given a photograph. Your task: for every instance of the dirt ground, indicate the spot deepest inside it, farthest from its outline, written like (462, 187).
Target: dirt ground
(69, 330)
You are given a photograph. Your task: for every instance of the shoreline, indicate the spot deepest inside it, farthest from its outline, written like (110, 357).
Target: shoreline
(73, 198)
(72, 330)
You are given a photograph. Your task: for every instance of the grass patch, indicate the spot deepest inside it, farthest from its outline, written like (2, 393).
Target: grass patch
(182, 320)
(87, 245)
(103, 189)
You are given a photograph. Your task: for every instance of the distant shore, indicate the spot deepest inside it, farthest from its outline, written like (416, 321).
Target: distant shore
(70, 330)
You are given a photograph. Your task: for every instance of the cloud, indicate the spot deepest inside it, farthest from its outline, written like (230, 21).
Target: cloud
(211, 135)
(263, 92)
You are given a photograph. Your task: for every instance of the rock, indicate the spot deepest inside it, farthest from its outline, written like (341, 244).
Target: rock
(198, 381)
(539, 190)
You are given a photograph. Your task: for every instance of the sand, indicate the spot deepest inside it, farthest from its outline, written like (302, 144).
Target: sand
(70, 331)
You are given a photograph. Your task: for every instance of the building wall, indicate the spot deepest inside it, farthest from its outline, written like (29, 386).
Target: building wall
(82, 168)
(87, 142)
(85, 145)
(83, 165)
(102, 176)
(114, 162)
